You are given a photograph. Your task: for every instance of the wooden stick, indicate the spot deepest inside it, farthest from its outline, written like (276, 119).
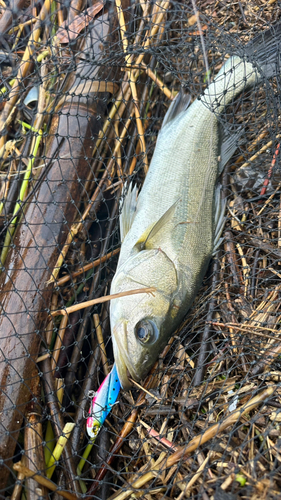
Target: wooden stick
(100, 300)
(195, 477)
(151, 432)
(248, 329)
(101, 344)
(256, 155)
(58, 343)
(16, 495)
(43, 481)
(158, 82)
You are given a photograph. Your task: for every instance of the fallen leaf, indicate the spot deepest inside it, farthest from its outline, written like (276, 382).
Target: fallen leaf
(67, 33)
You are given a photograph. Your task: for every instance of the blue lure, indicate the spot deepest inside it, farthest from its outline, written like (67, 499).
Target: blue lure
(102, 402)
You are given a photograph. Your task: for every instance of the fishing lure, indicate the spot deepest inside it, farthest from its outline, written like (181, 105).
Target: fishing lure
(102, 402)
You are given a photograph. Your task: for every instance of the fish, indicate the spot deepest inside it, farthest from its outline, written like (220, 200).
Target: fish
(171, 228)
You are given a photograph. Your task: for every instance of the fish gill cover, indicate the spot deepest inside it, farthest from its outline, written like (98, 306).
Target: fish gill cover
(84, 88)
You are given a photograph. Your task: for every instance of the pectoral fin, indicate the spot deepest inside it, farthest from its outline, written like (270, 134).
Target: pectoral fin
(146, 239)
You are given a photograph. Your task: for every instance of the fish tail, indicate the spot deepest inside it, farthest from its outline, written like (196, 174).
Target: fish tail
(264, 51)
(253, 63)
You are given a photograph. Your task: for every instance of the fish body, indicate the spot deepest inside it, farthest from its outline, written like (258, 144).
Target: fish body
(169, 231)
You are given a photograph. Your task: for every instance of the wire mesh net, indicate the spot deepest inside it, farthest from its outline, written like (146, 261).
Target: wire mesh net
(84, 90)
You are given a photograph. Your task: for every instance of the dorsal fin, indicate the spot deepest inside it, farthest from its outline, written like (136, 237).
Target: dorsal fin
(179, 104)
(128, 210)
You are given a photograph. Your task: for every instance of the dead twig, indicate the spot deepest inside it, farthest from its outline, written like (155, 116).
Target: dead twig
(43, 481)
(197, 441)
(100, 300)
(101, 344)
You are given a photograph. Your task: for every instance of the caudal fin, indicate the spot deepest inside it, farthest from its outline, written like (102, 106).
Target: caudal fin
(264, 51)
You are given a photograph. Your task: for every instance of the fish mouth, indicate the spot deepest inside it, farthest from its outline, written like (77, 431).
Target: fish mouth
(125, 369)
(123, 374)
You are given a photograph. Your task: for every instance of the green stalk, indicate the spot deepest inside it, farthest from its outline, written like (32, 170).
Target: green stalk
(3, 90)
(23, 192)
(42, 56)
(50, 443)
(59, 448)
(82, 463)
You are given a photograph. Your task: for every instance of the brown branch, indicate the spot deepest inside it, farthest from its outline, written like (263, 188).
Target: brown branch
(100, 300)
(43, 481)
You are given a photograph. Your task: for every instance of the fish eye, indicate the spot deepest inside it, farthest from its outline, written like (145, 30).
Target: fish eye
(146, 331)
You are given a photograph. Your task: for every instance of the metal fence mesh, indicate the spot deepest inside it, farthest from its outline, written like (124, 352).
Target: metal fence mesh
(71, 134)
